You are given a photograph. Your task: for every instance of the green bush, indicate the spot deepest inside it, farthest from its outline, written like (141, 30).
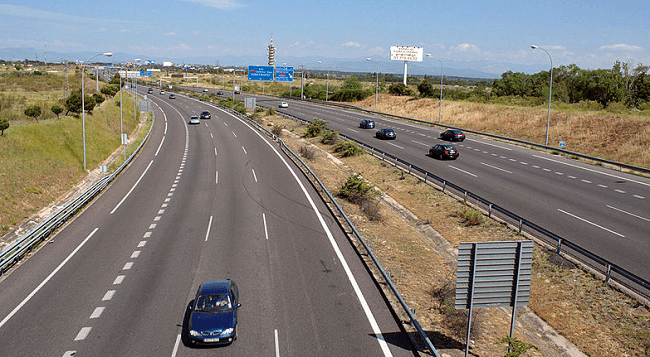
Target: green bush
(516, 347)
(56, 109)
(4, 124)
(33, 111)
(330, 137)
(348, 148)
(271, 111)
(400, 89)
(470, 216)
(315, 128)
(357, 190)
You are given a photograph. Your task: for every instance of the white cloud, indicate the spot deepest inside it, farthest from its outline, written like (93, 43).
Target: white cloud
(466, 47)
(220, 4)
(104, 29)
(352, 44)
(125, 31)
(196, 33)
(27, 12)
(620, 47)
(170, 34)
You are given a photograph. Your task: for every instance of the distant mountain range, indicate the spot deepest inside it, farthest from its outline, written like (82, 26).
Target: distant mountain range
(484, 70)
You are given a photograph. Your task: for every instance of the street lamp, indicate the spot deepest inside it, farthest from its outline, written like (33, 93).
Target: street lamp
(439, 111)
(327, 87)
(376, 83)
(83, 100)
(134, 85)
(550, 89)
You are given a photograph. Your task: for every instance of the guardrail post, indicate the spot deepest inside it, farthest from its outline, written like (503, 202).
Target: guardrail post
(490, 210)
(383, 155)
(559, 246)
(609, 273)
(444, 186)
(465, 197)
(410, 169)
(426, 175)
(521, 222)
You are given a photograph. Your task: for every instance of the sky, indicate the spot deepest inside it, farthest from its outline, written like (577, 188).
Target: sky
(491, 36)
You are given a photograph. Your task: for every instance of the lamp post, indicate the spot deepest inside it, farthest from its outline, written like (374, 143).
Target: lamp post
(440, 111)
(550, 90)
(327, 87)
(377, 81)
(134, 84)
(83, 100)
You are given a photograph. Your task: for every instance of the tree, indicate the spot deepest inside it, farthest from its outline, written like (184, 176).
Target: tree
(352, 83)
(57, 110)
(4, 124)
(33, 111)
(73, 103)
(110, 89)
(400, 89)
(426, 89)
(98, 98)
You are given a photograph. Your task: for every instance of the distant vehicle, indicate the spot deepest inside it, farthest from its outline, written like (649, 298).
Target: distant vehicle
(213, 313)
(172, 96)
(194, 119)
(219, 93)
(386, 133)
(442, 151)
(162, 91)
(237, 91)
(367, 124)
(284, 105)
(150, 90)
(205, 89)
(205, 114)
(452, 135)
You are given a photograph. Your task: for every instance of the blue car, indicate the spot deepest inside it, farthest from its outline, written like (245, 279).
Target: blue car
(213, 316)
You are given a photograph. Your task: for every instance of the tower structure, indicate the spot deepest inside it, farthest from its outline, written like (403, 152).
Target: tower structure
(271, 52)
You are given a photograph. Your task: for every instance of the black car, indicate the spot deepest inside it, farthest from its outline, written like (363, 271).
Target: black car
(452, 135)
(205, 114)
(442, 151)
(386, 133)
(219, 93)
(367, 124)
(213, 313)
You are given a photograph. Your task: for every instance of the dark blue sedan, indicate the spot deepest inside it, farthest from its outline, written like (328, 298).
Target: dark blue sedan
(213, 318)
(386, 133)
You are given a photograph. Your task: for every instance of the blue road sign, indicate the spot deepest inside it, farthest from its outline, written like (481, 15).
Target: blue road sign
(284, 74)
(145, 73)
(260, 73)
(562, 144)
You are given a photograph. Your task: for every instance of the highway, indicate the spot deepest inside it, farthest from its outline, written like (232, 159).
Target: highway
(602, 210)
(201, 202)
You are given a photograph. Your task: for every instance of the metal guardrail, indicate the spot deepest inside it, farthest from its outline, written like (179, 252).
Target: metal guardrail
(410, 312)
(15, 252)
(610, 271)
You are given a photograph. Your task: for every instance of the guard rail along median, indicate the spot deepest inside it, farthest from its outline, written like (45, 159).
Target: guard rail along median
(609, 270)
(410, 312)
(25, 244)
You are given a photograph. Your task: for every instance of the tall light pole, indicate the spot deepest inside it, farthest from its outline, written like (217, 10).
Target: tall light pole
(440, 111)
(133, 89)
(550, 90)
(327, 87)
(83, 100)
(377, 81)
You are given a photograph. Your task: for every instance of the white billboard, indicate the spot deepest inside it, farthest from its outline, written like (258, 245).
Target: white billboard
(406, 53)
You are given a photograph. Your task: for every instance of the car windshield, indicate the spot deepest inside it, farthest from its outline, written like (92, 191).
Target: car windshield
(214, 303)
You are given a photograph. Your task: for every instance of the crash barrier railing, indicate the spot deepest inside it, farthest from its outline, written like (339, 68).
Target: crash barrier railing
(409, 311)
(593, 159)
(16, 251)
(610, 271)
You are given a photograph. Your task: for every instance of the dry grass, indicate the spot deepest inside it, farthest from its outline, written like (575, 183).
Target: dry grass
(599, 320)
(610, 136)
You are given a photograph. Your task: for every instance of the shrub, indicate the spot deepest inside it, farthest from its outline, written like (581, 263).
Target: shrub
(470, 216)
(271, 111)
(426, 89)
(56, 110)
(4, 124)
(348, 148)
(277, 130)
(33, 111)
(98, 98)
(330, 137)
(315, 128)
(400, 89)
(307, 152)
(516, 347)
(357, 190)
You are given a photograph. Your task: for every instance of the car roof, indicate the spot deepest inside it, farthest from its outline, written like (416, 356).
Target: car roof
(215, 287)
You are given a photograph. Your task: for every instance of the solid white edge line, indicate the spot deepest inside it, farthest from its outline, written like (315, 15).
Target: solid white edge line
(160, 146)
(132, 188)
(277, 344)
(364, 304)
(207, 233)
(40, 286)
(593, 224)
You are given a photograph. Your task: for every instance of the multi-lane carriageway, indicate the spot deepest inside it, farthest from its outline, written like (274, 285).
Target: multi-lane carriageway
(203, 202)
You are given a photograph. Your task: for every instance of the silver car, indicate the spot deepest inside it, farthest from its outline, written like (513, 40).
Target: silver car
(194, 119)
